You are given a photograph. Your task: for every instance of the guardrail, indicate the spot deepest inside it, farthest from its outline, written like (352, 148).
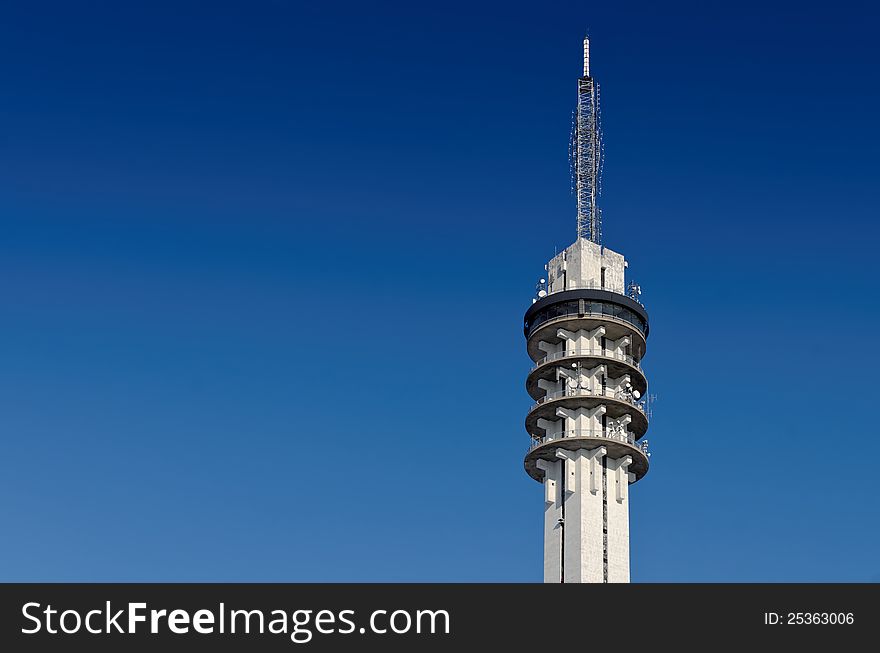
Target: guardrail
(591, 285)
(620, 395)
(587, 285)
(587, 352)
(574, 314)
(605, 434)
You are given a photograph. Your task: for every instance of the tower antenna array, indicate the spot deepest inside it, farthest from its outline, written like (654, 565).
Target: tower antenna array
(587, 154)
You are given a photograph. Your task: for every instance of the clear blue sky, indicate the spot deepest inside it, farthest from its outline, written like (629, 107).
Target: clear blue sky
(244, 249)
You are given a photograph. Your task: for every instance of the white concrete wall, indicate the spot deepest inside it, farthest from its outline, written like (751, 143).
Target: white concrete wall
(556, 273)
(615, 267)
(550, 387)
(580, 266)
(617, 347)
(583, 516)
(552, 427)
(592, 378)
(583, 340)
(618, 479)
(550, 348)
(618, 384)
(582, 378)
(585, 420)
(575, 549)
(552, 515)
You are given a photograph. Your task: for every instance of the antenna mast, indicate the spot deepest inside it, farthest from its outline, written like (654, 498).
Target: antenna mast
(587, 154)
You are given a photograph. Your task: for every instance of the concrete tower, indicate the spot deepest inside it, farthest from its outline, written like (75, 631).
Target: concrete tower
(586, 332)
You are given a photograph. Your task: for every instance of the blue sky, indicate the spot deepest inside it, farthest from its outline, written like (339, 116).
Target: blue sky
(244, 250)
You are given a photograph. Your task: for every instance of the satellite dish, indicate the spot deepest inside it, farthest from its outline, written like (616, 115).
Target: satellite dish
(636, 394)
(543, 281)
(574, 364)
(542, 293)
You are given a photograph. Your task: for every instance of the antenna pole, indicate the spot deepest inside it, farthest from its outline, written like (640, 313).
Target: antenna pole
(586, 56)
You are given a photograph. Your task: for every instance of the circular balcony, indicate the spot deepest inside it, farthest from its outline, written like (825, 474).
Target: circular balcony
(614, 330)
(617, 404)
(587, 301)
(585, 308)
(617, 365)
(617, 444)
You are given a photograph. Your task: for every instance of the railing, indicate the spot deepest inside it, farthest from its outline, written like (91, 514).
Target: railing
(621, 395)
(587, 352)
(620, 435)
(590, 285)
(630, 318)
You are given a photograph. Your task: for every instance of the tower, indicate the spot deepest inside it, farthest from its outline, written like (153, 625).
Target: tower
(586, 334)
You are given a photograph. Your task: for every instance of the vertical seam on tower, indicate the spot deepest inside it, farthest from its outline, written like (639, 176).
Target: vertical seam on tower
(562, 523)
(604, 520)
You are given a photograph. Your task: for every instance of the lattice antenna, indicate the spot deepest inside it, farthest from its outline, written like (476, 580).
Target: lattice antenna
(587, 154)
(572, 153)
(600, 140)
